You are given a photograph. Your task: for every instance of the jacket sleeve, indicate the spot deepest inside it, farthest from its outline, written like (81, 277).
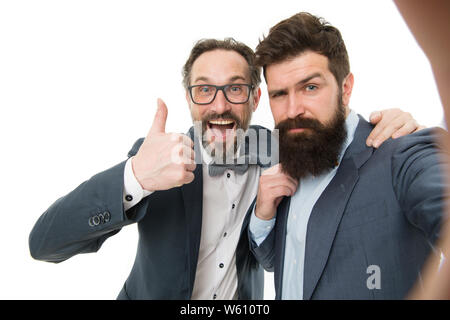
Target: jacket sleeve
(418, 173)
(82, 220)
(264, 253)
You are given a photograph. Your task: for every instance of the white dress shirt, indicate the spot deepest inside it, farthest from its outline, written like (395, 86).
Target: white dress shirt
(226, 199)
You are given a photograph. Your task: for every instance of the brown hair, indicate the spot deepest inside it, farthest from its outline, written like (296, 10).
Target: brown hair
(206, 45)
(300, 33)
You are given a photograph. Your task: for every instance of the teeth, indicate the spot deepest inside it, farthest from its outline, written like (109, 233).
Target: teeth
(221, 122)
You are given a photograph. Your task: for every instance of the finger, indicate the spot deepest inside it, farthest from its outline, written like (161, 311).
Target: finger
(382, 119)
(190, 166)
(187, 152)
(187, 158)
(187, 141)
(181, 154)
(409, 127)
(390, 129)
(272, 170)
(278, 178)
(159, 122)
(380, 126)
(292, 185)
(281, 191)
(182, 138)
(286, 179)
(188, 178)
(295, 181)
(375, 117)
(420, 127)
(385, 124)
(273, 182)
(277, 201)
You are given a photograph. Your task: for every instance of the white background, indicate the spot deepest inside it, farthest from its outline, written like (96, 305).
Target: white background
(79, 82)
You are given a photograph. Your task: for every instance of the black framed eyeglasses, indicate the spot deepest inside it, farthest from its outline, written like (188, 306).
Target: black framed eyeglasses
(234, 93)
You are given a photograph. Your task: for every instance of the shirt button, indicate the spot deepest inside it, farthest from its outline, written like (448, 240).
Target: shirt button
(225, 234)
(221, 265)
(233, 206)
(214, 296)
(128, 197)
(228, 175)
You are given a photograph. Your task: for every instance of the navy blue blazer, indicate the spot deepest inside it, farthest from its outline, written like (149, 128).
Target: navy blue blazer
(383, 208)
(169, 224)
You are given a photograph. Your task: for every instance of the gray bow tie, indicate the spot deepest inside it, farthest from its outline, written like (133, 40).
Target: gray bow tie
(240, 167)
(249, 155)
(219, 169)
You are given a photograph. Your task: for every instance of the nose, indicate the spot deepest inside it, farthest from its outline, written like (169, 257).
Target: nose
(220, 104)
(295, 106)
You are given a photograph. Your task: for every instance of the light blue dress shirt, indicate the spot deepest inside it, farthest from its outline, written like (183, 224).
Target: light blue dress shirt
(302, 203)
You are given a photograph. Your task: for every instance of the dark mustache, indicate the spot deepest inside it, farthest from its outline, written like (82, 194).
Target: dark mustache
(298, 123)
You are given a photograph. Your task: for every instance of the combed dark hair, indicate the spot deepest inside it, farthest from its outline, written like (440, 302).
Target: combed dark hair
(206, 45)
(300, 33)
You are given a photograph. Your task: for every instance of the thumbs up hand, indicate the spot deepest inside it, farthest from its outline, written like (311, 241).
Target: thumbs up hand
(164, 160)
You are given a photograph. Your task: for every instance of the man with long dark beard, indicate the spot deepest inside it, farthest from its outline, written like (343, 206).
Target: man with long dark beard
(337, 219)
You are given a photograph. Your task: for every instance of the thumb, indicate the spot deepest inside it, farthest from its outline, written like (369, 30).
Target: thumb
(159, 122)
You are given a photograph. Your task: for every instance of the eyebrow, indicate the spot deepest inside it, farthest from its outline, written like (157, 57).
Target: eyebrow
(301, 82)
(314, 75)
(232, 79)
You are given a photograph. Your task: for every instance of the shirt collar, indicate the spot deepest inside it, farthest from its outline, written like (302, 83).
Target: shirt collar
(351, 122)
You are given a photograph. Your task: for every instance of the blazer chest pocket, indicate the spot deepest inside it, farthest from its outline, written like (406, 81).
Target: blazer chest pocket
(359, 214)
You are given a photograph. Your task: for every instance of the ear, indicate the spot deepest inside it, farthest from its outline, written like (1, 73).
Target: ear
(188, 99)
(347, 88)
(256, 98)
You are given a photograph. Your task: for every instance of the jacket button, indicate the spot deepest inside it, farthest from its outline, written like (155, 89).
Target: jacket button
(106, 216)
(129, 197)
(221, 265)
(96, 220)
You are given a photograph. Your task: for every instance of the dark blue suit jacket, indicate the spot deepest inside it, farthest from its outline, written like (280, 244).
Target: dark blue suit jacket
(383, 208)
(169, 224)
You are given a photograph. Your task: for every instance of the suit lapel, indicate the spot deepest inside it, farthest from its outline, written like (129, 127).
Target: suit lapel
(193, 203)
(323, 224)
(280, 244)
(329, 208)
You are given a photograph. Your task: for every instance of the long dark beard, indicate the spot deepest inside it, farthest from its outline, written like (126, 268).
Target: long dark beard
(315, 150)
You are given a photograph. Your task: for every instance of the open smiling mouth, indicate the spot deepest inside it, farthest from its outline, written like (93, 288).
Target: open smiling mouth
(220, 128)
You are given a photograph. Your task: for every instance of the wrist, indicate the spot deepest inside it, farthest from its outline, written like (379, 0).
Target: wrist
(264, 214)
(134, 166)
